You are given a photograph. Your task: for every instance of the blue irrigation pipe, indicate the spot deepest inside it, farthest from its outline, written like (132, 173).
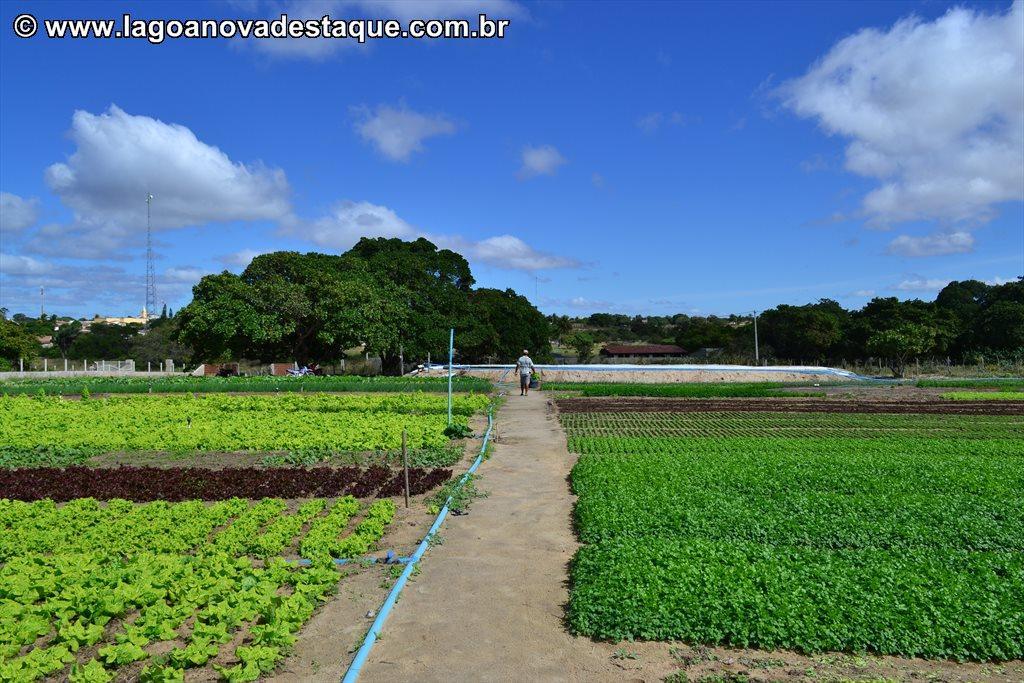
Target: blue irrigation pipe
(355, 668)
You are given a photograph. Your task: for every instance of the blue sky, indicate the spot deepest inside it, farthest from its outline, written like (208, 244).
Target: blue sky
(632, 157)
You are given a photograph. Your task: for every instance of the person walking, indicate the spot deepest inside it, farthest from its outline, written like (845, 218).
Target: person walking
(524, 368)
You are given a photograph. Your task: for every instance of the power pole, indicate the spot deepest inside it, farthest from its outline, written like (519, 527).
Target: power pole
(150, 268)
(42, 299)
(757, 351)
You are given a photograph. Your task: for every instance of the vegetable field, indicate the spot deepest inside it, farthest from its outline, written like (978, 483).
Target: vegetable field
(97, 590)
(168, 571)
(187, 384)
(45, 429)
(892, 534)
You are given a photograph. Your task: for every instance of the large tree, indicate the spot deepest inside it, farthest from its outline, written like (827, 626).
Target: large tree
(899, 344)
(15, 343)
(811, 332)
(430, 285)
(104, 341)
(286, 305)
(500, 325)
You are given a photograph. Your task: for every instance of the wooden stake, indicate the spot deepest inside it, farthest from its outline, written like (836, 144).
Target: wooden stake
(405, 466)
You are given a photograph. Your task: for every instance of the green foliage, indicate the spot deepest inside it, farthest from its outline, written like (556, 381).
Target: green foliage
(185, 569)
(1004, 383)
(47, 426)
(500, 324)
(685, 389)
(104, 340)
(187, 384)
(583, 344)
(461, 493)
(16, 342)
(256, 384)
(65, 335)
(1016, 395)
(896, 544)
(899, 344)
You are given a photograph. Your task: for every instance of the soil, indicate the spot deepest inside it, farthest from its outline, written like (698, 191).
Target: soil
(787, 405)
(489, 603)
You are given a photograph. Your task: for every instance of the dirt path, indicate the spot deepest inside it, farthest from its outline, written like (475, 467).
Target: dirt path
(489, 602)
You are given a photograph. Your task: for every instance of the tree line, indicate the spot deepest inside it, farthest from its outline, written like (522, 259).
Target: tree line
(395, 300)
(968, 322)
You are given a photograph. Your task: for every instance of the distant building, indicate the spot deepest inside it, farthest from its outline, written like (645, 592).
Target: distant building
(642, 351)
(141, 319)
(46, 342)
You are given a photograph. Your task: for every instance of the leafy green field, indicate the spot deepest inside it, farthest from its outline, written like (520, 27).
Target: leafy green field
(52, 430)
(187, 384)
(195, 575)
(1014, 383)
(680, 389)
(910, 542)
(660, 426)
(1014, 395)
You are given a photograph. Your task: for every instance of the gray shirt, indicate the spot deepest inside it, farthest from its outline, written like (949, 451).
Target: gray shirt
(524, 365)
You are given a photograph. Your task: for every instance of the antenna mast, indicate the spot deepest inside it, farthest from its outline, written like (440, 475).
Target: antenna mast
(42, 299)
(150, 269)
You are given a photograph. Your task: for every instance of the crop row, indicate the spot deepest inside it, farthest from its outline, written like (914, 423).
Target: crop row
(841, 465)
(187, 384)
(915, 602)
(1015, 395)
(184, 570)
(144, 484)
(63, 431)
(1006, 383)
(845, 493)
(679, 389)
(653, 425)
(903, 545)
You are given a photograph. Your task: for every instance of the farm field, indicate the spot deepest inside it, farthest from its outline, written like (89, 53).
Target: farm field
(892, 534)
(124, 556)
(55, 431)
(68, 386)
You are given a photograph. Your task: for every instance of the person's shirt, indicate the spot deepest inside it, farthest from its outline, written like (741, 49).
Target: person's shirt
(525, 364)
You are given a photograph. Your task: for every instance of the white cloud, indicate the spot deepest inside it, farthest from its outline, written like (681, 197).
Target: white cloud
(541, 160)
(508, 252)
(920, 284)
(403, 10)
(348, 221)
(936, 244)
(17, 213)
(120, 158)
(86, 289)
(398, 132)
(240, 258)
(15, 265)
(863, 293)
(933, 110)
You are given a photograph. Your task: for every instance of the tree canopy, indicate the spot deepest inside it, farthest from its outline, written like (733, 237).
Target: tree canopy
(389, 296)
